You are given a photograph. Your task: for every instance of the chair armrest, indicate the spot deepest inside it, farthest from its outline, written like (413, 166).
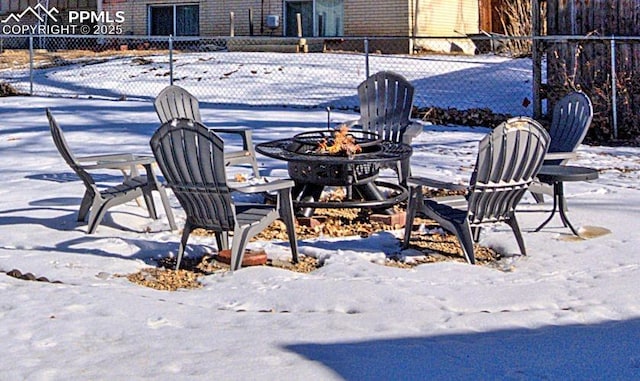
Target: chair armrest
(412, 130)
(121, 162)
(432, 183)
(266, 187)
(231, 130)
(245, 132)
(560, 155)
(106, 157)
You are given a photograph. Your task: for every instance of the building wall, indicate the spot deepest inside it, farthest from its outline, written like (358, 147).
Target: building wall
(362, 18)
(377, 18)
(447, 18)
(214, 15)
(392, 17)
(136, 14)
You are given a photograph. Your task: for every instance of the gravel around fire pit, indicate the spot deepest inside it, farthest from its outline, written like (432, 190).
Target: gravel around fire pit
(192, 269)
(435, 247)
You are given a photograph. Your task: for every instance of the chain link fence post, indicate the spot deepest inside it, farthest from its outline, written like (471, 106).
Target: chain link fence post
(614, 90)
(171, 60)
(366, 57)
(31, 65)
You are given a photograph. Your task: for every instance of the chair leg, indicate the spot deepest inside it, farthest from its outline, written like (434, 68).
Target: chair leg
(404, 171)
(538, 197)
(167, 207)
(513, 223)
(222, 240)
(148, 201)
(476, 230)
(413, 203)
(85, 206)
(254, 165)
(96, 216)
(240, 240)
(463, 232)
(248, 146)
(286, 213)
(183, 243)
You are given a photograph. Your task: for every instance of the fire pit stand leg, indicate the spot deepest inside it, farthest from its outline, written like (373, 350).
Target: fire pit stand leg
(307, 193)
(370, 191)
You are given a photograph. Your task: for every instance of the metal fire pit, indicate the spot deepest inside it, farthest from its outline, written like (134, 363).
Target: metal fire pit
(346, 170)
(312, 171)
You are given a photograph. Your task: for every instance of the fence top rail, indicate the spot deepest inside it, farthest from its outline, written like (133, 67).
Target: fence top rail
(198, 38)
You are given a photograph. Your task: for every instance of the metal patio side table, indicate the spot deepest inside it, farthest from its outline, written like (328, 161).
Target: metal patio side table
(557, 175)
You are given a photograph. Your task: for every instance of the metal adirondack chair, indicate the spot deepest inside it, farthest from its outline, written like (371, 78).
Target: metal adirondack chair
(190, 157)
(175, 102)
(507, 162)
(570, 121)
(386, 102)
(97, 201)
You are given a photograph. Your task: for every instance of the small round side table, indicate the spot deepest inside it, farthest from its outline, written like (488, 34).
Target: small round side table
(557, 175)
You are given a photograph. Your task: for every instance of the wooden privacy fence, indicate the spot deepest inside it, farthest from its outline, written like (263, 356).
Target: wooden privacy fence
(594, 45)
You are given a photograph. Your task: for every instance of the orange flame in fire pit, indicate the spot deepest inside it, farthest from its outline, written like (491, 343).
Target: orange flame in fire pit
(342, 142)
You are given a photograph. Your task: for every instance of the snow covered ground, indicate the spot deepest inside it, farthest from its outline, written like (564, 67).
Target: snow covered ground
(569, 310)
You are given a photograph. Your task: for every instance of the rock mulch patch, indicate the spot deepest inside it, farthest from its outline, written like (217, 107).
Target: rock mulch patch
(164, 279)
(434, 247)
(441, 247)
(192, 269)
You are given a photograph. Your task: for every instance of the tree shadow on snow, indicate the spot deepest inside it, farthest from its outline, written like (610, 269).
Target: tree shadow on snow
(608, 350)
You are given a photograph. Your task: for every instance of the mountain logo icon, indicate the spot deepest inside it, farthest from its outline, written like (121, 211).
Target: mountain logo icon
(39, 11)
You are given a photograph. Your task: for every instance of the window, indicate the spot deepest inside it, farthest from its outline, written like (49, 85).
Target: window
(329, 18)
(323, 18)
(177, 20)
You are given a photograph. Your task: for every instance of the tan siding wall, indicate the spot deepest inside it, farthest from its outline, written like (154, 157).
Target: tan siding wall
(362, 17)
(377, 18)
(136, 14)
(447, 17)
(214, 15)
(240, 8)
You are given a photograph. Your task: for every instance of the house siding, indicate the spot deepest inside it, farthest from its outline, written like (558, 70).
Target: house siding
(362, 18)
(448, 18)
(214, 15)
(392, 19)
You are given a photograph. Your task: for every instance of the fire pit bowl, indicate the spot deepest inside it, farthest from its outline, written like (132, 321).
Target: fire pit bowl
(344, 169)
(355, 169)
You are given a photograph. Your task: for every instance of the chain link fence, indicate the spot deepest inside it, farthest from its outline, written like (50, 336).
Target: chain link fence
(235, 70)
(221, 70)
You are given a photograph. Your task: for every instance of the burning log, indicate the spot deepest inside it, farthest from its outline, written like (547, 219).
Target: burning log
(343, 142)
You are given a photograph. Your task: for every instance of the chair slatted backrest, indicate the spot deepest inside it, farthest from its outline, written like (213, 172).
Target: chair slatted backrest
(64, 150)
(386, 100)
(508, 160)
(174, 102)
(571, 118)
(191, 159)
